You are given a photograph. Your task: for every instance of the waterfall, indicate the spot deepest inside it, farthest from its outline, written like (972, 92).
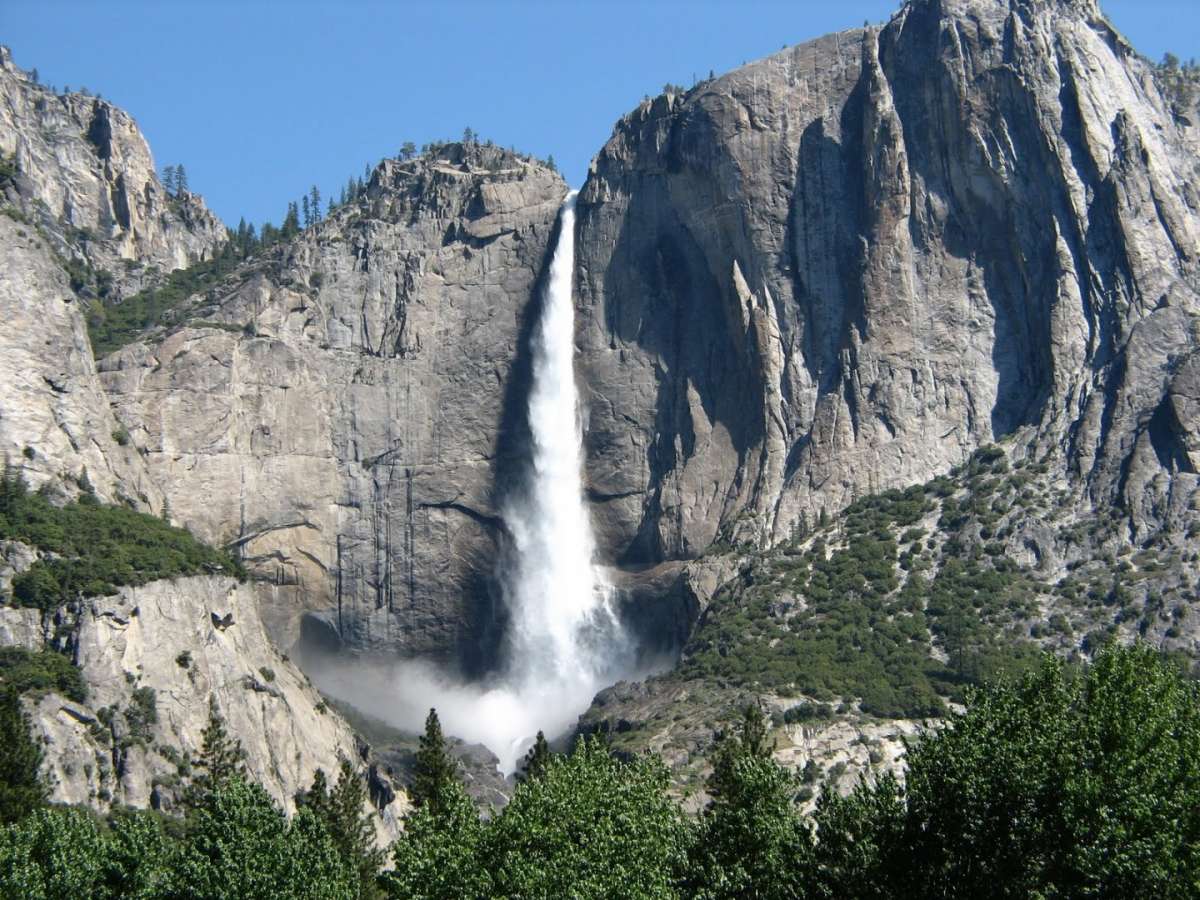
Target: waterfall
(565, 642)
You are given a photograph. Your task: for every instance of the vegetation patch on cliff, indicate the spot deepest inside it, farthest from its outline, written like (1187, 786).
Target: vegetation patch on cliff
(25, 671)
(91, 548)
(885, 605)
(113, 325)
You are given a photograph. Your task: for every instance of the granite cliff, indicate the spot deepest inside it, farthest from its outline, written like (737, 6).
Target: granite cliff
(345, 410)
(850, 267)
(845, 267)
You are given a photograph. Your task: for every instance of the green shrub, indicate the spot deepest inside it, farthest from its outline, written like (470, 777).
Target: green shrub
(97, 548)
(112, 326)
(1060, 785)
(45, 670)
(142, 714)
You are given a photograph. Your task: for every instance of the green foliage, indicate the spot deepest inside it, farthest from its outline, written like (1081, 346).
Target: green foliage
(341, 814)
(237, 844)
(807, 712)
(24, 670)
(859, 851)
(240, 845)
(141, 714)
(750, 842)
(21, 790)
(439, 856)
(113, 325)
(871, 615)
(1058, 785)
(97, 548)
(69, 853)
(537, 759)
(53, 854)
(750, 742)
(591, 826)
(1065, 783)
(219, 762)
(1179, 82)
(750, 839)
(8, 168)
(436, 770)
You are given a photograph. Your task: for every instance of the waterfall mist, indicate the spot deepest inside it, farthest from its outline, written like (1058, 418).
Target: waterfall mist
(564, 641)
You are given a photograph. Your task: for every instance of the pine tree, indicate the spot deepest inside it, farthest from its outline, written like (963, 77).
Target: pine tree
(168, 179)
(408, 150)
(220, 758)
(314, 203)
(33, 75)
(291, 222)
(316, 798)
(181, 182)
(550, 164)
(436, 769)
(749, 743)
(21, 791)
(352, 832)
(12, 487)
(308, 220)
(537, 759)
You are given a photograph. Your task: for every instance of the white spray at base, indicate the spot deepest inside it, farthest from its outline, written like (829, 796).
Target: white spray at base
(564, 642)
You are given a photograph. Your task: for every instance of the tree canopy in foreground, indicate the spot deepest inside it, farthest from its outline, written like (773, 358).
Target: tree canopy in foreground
(1067, 783)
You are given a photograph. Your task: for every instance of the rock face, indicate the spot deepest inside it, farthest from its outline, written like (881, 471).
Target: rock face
(78, 190)
(846, 266)
(345, 409)
(84, 173)
(55, 421)
(152, 658)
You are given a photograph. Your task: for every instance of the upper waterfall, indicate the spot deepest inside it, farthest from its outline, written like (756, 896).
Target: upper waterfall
(564, 641)
(564, 638)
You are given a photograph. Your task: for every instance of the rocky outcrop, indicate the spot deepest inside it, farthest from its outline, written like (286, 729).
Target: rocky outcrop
(844, 267)
(84, 174)
(343, 411)
(55, 421)
(153, 659)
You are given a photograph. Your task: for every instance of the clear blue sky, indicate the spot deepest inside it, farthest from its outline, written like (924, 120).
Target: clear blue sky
(259, 100)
